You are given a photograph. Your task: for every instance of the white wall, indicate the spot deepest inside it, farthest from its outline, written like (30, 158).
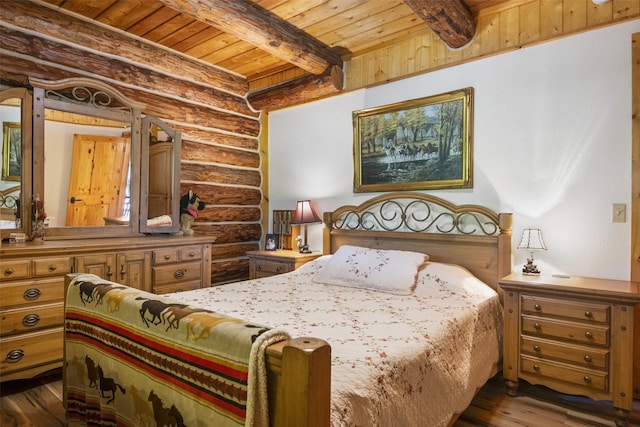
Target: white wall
(552, 144)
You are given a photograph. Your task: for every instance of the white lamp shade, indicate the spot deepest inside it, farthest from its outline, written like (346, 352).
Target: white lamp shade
(532, 239)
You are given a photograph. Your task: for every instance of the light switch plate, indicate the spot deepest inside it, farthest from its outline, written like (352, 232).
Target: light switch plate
(619, 213)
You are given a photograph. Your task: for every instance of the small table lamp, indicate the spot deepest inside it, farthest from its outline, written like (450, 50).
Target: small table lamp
(532, 240)
(305, 215)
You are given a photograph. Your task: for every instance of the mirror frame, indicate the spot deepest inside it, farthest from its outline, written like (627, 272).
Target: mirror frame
(26, 159)
(46, 97)
(147, 122)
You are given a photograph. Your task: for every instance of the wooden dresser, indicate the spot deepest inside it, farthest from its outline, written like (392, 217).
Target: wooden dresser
(32, 287)
(572, 334)
(270, 263)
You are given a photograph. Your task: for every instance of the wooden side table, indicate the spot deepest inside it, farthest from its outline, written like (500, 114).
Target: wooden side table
(270, 263)
(572, 334)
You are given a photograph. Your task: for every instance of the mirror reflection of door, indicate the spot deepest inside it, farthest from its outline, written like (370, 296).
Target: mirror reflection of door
(99, 173)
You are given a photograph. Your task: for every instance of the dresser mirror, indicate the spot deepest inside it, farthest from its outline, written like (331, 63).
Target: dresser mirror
(15, 119)
(86, 151)
(160, 172)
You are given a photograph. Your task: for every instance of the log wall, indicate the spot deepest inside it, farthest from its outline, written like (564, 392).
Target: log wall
(220, 131)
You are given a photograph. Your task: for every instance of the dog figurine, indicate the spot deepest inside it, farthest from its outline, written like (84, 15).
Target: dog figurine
(190, 204)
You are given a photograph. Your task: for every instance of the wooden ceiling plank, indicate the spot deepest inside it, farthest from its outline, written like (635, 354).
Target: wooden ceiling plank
(168, 29)
(53, 22)
(189, 31)
(152, 21)
(126, 14)
(206, 33)
(451, 20)
(263, 29)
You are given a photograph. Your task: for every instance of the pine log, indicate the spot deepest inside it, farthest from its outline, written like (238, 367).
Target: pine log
(451, 20)
(297, 91)
(224, 195)
(229, 213)
(212, 153)
(232, 250)
(213, 137)
(214, 173)
(263, 29)
(229, 271)
(54, 23)
(228, 233)
(166, 108)
(113, 69)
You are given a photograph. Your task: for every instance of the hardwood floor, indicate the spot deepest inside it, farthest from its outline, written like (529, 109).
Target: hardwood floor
(38, 403)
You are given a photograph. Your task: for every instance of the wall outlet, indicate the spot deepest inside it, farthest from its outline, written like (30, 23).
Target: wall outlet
(619, 213)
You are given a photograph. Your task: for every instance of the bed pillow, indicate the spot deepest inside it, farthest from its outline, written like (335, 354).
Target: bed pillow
(381, 270)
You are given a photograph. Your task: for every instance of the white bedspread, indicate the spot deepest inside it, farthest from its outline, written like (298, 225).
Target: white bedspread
(396, 360)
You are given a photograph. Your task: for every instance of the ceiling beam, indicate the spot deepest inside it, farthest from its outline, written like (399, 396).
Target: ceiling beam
(451, 20)
(263, 29)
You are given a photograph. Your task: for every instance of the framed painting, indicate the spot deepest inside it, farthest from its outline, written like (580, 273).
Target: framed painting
(11, 151)
(421, 144)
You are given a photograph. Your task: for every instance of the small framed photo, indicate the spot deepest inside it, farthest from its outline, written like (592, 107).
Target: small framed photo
(271, 242)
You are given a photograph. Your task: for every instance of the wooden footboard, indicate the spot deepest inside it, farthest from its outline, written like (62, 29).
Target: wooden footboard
(298, 380)
(299, 383)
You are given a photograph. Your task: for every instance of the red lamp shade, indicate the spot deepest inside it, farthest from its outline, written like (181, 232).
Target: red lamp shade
(305, 215)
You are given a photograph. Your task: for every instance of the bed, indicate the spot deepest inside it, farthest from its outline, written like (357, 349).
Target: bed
(358, 343)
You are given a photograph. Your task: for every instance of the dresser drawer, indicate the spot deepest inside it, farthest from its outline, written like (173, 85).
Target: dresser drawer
(31, 318)
(32, 292)
(562, 308)
(268, 268)
(170, 274)
(165, 256)
(592, 357)
(190, 253)
(177, 287)
(586, 378)
(571, 331)
(52, 266)
(10, 270)
(32, 349)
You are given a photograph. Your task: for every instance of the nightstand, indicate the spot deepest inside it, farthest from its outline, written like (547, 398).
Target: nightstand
(270, 263)
(572, 334)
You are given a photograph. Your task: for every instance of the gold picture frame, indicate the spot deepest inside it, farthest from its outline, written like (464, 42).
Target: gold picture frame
(421, 144)
(11, 151)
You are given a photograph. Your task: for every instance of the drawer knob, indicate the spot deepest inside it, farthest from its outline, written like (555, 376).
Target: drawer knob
(588, 334)
(191, 254)
(15, 356)
(537, 325)
(536, 367)
(588, 314)
(53, 267)
(8, 271)
(587, 379)
(31, 293)
(536, 348)
(167, 257)
(278, 269)
(30, 320)
(537, 307)
(178, 274)
(109, 272)
(587, 358)
(259, 268)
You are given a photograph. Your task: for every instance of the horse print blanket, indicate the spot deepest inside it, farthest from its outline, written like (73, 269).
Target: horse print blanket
(134, 358)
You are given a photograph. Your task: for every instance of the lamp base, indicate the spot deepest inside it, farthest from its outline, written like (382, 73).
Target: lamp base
(530, 269)
(304, 249)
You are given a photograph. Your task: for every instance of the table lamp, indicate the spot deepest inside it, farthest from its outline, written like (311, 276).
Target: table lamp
(305, 215)
(532, 240)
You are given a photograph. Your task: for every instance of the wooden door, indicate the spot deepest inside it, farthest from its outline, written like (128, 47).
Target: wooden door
(99, 169)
